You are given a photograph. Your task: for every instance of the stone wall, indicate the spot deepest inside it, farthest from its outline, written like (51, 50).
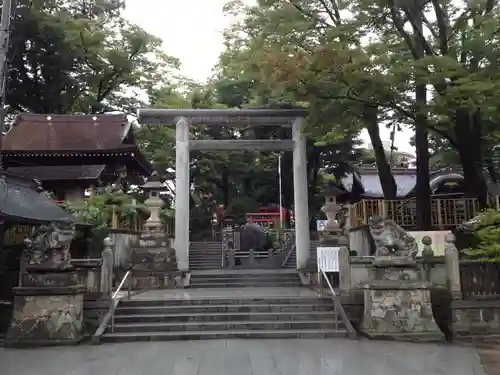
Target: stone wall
(474, 318)
(46, 319)
(360, 240)
(123, 242)
(432, 270)
(89, 274)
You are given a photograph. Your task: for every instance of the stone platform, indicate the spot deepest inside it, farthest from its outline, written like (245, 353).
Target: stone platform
(245, 357)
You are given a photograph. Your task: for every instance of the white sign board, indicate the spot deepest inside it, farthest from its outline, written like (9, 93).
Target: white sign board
(328, 259)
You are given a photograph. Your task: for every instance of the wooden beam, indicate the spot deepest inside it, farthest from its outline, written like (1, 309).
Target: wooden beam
(236, 117)
(242, 145)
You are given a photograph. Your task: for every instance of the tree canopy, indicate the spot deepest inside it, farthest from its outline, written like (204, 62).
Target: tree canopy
(81, 57)
(430, 66)
(360, 62)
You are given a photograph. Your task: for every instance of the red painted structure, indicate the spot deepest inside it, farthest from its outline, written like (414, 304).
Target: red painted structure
(268, 215)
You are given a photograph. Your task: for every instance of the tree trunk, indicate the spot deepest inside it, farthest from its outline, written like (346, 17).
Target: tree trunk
(370, 118)
(468, 140)
(423, 193)
(490, 165)
(225, 187)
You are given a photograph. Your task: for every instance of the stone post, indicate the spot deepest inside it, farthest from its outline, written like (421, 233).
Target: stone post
(452, 267)
(301, 205)
(333, 236)
(182, 193)
(344, 269)
(107, 268)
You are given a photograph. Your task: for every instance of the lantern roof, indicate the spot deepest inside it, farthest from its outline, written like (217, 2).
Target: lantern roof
(153, 183)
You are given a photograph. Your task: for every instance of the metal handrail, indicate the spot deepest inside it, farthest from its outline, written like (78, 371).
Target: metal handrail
(339, 309)
(115, 295)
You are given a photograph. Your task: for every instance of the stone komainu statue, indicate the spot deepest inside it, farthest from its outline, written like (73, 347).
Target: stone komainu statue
(391, 239)
(49, 246)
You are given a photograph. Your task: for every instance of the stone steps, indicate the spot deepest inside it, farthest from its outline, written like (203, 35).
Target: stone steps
(191, 310)
(226, 334)
(227, 317)
(227, 301)
(205, 255)
(237, 325)
(281, 316)
(245, 279)
(246, 284)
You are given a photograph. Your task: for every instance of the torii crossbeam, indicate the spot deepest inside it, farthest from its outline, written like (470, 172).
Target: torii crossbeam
(182, 118)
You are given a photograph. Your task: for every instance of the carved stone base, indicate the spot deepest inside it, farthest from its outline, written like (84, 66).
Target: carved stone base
(49, 277)
(399, 310)
(46, 316)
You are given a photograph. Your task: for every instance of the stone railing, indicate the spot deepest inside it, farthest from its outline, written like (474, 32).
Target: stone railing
(441, 271)
(89, 274)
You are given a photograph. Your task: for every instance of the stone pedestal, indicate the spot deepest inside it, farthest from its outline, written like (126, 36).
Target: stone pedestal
(48, 309)
(397, 304)
(153, 263)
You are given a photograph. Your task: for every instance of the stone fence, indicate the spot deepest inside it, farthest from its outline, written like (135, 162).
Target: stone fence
(465, 295)
(89, 274)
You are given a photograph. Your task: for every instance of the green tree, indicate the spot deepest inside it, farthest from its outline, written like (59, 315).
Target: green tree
(286, 50)
(84, 57)
(371, 63)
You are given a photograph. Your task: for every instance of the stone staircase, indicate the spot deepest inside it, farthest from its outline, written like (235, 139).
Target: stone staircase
(226, 317)
(245, 278)
(208, 255)
(292, 259)
(205, 255)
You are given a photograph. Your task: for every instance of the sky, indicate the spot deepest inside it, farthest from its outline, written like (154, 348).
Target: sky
(191, 30)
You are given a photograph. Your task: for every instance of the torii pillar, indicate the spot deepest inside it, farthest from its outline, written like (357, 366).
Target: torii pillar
(182, 193)
(300, 195)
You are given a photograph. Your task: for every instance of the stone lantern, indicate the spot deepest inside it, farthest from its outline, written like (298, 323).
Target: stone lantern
(333, 232)
(154, 203)
(331, 208)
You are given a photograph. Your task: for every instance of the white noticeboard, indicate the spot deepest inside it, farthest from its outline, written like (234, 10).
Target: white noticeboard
(328, 259)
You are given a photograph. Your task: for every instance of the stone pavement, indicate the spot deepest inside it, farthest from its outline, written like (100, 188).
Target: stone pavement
(245, 357)
(490, 357)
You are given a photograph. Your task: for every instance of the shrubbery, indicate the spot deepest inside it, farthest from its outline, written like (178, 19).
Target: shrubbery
(485, 232)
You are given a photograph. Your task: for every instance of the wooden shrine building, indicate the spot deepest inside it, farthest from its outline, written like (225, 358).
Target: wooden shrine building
(72, 154)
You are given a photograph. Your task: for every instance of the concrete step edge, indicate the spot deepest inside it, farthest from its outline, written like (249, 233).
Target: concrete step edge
(257, 313)
(227, 334)
(215, 323)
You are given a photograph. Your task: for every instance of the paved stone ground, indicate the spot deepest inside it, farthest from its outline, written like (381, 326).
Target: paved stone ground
(245, 357)
(490, 356)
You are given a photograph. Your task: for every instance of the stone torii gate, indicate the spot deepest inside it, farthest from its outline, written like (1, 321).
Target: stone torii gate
(182, 118)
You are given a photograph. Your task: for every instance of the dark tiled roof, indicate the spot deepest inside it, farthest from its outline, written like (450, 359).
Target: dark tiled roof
(406, 180)
(373, 188)
(20, 199)
(34, 132)
(63, 172)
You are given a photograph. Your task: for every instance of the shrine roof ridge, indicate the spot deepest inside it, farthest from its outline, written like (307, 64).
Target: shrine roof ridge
(262, 117)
